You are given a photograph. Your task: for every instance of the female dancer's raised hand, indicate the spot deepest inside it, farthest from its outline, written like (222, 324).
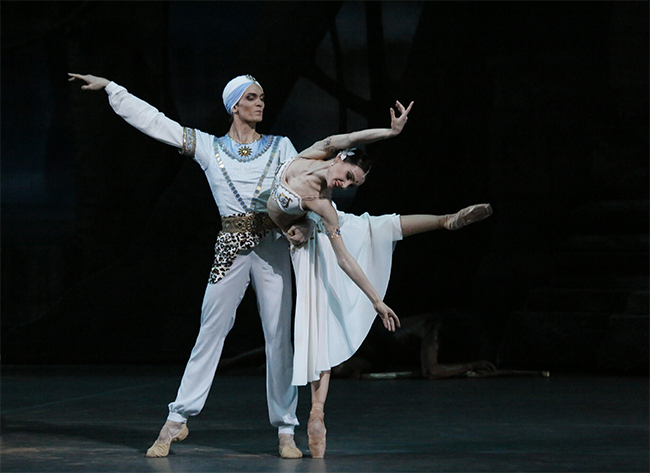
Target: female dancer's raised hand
(387, 316)
(397, 123)
(92, 82)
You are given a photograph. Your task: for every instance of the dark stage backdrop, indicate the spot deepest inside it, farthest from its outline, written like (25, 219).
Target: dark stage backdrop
(540, 108)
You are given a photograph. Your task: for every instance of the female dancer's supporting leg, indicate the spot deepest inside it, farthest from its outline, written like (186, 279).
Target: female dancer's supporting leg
(316, 426)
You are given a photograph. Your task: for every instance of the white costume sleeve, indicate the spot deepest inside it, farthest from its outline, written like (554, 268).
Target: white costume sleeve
(288, 150)
(143, 116)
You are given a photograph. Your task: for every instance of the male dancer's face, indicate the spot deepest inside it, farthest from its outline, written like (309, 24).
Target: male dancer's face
(250, 107)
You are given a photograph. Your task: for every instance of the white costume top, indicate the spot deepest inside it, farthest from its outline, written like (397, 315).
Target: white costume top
(287, 199)
(228, 174)
(240, 181)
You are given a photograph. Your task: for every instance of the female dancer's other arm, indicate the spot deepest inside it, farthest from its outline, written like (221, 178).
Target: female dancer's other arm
(348, 264)
(323, 149)
(134, 111)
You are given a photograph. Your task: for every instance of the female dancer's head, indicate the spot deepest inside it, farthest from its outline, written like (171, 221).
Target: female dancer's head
(243, 98)
(348, 168)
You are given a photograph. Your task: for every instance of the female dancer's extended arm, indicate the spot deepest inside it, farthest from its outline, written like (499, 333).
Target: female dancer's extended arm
(323, 149)
(134, 111)
(348, 264)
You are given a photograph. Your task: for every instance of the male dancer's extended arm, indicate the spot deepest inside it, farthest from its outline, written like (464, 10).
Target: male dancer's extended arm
(136, 112)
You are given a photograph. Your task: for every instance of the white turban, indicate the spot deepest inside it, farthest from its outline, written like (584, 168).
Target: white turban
(235, 89)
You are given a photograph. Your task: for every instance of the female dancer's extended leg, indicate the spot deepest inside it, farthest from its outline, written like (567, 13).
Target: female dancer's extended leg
(316, 425)
(413, 224)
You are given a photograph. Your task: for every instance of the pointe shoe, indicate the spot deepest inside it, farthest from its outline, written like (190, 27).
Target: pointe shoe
(288, 447)
(316, 431)
(161, 449)
(471, 214)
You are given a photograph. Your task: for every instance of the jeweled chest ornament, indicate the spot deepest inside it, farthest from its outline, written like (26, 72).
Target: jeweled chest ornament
(244, 151)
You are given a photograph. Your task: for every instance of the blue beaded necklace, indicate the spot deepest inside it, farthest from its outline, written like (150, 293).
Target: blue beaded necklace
(244, 152)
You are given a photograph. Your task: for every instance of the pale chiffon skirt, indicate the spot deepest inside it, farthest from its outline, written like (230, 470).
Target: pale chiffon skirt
(333, 316)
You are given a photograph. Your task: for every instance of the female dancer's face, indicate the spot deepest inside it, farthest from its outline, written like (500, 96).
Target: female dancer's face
(343, 175)
(250, 107)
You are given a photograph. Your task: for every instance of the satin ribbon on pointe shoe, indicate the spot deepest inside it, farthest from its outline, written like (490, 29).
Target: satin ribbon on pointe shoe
(316, 431)
(159, 450)
(464, 217)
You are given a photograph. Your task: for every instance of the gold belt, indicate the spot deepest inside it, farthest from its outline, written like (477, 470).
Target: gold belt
(249, 222)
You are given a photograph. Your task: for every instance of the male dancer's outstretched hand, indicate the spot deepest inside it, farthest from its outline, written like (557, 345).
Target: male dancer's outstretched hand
(93, 82)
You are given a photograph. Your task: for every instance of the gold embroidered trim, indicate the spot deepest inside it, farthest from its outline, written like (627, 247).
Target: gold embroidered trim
(253, 222)
(189, 142)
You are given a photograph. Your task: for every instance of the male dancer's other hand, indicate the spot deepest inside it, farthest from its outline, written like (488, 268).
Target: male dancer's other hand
(299, 233)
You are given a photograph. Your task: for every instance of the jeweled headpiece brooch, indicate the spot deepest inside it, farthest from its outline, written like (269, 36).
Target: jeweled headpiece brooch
(346, 152)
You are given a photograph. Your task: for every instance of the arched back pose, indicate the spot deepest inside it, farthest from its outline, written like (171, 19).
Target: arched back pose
(343, 263)
(239, 168)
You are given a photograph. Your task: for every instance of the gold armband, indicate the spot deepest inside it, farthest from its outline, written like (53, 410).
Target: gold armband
(189, 142)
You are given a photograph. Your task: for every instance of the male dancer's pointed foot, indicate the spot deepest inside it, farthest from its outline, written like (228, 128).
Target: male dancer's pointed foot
(316, 430)
(288, 447)
(171, 432)
(464, 217)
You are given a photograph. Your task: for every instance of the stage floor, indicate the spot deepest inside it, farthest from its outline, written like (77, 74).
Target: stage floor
(103, 419)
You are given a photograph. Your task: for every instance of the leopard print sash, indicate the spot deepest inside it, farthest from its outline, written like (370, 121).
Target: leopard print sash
(238, 232)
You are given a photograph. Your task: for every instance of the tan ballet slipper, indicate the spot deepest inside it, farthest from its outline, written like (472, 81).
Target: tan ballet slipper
(160, 448)
(288, 447)
(316, 430)
(464, 217)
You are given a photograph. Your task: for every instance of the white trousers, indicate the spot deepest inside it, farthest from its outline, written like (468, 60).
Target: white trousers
(268, 268)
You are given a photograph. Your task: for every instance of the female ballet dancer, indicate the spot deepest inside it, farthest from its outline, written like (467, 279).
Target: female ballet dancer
(333, 316)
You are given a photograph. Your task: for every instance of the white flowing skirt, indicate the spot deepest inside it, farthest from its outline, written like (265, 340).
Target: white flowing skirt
(333, 316)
